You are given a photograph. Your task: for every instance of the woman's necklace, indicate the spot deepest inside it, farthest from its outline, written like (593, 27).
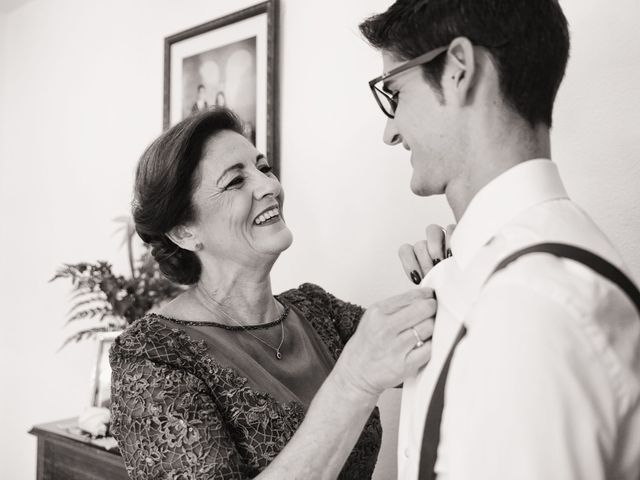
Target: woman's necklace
(244, 328)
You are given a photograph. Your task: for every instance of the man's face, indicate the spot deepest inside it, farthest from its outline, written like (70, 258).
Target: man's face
(426, 126)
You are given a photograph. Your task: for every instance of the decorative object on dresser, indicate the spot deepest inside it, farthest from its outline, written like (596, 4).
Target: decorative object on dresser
(112, 302)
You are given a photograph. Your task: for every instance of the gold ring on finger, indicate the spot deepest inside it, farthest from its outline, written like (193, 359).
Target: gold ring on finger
(419, 341)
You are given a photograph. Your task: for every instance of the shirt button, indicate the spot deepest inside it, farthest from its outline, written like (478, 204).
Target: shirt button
(407, 452)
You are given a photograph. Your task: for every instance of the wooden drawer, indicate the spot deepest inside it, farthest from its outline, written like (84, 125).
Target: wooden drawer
(63, 455)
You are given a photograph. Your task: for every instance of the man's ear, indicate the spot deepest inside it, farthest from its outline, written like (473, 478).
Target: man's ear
(461, 72)
(184, 237)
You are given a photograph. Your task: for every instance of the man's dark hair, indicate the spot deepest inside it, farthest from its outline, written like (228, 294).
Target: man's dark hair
(528, 40)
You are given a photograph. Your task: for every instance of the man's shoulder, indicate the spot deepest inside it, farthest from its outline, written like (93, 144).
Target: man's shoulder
(575, 285)
(558, 306)
(572, 290)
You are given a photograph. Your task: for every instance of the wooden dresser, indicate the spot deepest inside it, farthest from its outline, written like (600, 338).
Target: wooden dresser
(65, 454)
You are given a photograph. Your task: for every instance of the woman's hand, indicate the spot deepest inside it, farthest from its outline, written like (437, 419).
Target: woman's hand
(381, 353)
(422, 256)
(389, 345)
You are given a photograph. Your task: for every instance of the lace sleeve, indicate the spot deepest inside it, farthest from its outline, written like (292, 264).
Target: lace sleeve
(167, 425)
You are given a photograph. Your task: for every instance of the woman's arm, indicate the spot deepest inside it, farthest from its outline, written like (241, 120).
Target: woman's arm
(325, 439)
(380, 355)
(167, 425)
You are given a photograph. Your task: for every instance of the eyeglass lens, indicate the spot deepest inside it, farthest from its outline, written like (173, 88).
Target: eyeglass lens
(385, 100)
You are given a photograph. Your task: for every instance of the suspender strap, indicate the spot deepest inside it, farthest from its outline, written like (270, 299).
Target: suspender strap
(585, 257)
(431, 436)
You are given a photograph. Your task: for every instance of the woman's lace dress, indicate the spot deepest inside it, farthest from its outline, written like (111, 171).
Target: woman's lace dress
(178, 413)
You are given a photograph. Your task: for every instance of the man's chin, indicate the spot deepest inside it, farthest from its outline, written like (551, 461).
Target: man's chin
(422, 190)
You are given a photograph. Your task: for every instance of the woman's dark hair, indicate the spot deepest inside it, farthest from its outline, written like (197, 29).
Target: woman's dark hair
(528, 40)
(166, 178)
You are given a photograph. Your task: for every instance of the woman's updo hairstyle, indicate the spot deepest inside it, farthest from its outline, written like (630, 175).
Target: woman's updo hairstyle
(166, 179)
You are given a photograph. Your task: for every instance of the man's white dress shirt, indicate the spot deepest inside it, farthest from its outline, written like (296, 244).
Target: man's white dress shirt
(546, 383)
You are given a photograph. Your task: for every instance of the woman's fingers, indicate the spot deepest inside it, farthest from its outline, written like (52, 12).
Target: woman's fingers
(393, 339)
(375, 357)
(418, 259)
(436, 242)
(421, 251)
(417, 358)
(410, 263)
(407, 327)
(449, 229)
(396, 303)
(421, 332)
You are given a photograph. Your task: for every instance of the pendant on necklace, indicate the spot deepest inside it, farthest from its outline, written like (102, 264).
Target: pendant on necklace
(278, 355)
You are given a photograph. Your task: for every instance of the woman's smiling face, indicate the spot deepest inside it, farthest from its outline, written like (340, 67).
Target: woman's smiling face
(238, 202)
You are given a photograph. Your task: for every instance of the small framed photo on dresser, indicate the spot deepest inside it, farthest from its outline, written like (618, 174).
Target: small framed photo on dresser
(101, 375)
(230, 61)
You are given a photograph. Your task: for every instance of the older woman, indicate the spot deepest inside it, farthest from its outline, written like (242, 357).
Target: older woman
(229, 381)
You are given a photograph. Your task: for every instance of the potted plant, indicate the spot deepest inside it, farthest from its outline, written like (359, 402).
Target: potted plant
(115, 300)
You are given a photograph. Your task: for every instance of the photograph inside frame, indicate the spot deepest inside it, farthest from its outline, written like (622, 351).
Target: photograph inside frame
(223, 76)
(222, 63)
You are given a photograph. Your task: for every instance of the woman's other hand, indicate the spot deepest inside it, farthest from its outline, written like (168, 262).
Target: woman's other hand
(422, 256)
(390, 344)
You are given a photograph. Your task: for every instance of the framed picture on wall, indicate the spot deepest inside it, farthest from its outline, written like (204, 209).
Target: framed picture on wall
(230, 61)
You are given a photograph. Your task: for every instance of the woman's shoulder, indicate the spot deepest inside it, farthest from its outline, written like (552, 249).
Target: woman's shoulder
(325, 311)
(314, 296)
(152, 338)
(310, 297)
(304, 292)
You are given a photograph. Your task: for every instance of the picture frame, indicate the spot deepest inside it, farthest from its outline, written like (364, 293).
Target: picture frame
(101, 375)
(232, 61)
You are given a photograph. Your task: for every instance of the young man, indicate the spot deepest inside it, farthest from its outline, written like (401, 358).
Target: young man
(541, 360)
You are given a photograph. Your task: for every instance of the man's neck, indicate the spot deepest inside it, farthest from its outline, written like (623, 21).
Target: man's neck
(493, 154)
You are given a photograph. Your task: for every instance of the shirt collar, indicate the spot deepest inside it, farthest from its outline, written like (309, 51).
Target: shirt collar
(509, 194)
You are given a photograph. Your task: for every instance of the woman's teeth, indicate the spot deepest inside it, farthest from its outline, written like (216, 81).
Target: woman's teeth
(266, 216)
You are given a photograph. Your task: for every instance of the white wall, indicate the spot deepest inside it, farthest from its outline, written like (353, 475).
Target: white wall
(4, 379)
(595, 141)
(81, 99)
(4, 339)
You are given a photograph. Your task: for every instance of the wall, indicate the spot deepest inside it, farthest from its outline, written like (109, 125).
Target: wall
(4, 339)
(598, 111)
(81, 99)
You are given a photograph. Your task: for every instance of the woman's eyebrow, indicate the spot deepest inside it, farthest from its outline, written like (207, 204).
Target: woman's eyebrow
(236, 166)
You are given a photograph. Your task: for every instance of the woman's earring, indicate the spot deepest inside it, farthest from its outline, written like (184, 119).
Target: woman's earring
(199, 246)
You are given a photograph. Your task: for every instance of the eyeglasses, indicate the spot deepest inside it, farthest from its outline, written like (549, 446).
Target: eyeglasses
(388, 101)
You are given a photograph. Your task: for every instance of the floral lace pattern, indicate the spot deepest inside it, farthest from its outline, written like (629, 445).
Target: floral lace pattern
(178, 414)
